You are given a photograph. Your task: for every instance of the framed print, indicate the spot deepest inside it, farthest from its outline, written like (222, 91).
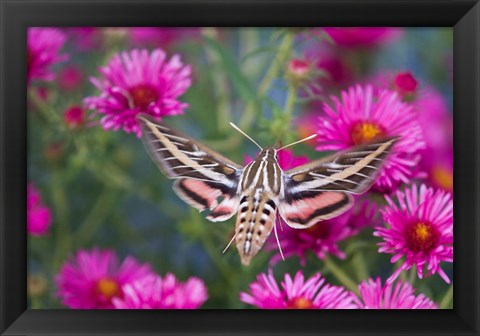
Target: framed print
(200, 167)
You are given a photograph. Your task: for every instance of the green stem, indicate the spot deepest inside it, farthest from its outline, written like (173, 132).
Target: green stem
(36, 303)
(63, 239)
(267, 81)
(360, 266)
(217, 257)
(277, 64)
(402, 275)
(249, 41)
(48, 113)
(341, 276)
(447, 299)
(95, 218)
(252, 106)
(220, 88)
(290, 102)
(412, 276)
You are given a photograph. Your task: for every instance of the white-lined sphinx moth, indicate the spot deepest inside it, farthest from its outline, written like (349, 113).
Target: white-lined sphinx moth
(303, 196)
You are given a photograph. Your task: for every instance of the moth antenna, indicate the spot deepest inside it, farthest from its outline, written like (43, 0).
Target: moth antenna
(299, 141)
(278, 241)
(230, 243)
(245, 134)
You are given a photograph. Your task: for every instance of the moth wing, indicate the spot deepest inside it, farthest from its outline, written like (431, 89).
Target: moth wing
(205, 179)
(352, 171)
(221, 203)
(179, 155)
(314, 206)
(321, 189)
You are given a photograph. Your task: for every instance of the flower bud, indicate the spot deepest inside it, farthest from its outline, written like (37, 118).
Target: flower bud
(74, 117)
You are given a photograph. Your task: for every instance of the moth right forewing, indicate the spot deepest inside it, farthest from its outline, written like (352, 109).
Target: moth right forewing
(352, 171)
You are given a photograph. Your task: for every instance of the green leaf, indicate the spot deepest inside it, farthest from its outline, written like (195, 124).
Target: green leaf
(269, 49)
(240, 82)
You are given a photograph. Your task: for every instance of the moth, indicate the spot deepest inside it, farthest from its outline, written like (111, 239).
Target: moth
(221, 188)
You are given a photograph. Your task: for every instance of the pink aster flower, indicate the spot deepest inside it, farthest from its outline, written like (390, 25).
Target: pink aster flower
(155, 292)
(39, 216)
(91, 279)
(297, 293)
(139, 82)
(400, 296)
(438, 168)
(435, 119)
(357, 37)
(43, 51)
(437, 124)
(360, 116)
(420, 229)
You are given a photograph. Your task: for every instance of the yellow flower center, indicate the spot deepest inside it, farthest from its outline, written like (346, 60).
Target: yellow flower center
(421, 237)
(143, 95)
(108, 288)
(422, 231)
(300, 303)
(365, 131)
(443, 177)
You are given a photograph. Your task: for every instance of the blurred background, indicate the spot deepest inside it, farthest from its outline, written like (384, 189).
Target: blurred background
(103, 191)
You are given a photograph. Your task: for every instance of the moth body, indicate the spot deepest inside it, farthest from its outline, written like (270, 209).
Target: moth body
(261, 187)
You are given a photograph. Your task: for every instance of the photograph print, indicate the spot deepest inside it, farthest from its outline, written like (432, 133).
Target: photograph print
(240, 168)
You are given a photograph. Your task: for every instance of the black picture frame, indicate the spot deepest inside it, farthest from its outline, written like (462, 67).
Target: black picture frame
(17, 15)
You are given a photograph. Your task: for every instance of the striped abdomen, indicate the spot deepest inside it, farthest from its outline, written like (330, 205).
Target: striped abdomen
(255, 220)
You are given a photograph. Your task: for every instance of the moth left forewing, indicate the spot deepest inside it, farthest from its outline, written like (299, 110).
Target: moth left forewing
(205, 179)
(178, 155)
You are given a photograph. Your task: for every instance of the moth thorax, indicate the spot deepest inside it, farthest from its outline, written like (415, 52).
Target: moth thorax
(268, 154)
(263, 174)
